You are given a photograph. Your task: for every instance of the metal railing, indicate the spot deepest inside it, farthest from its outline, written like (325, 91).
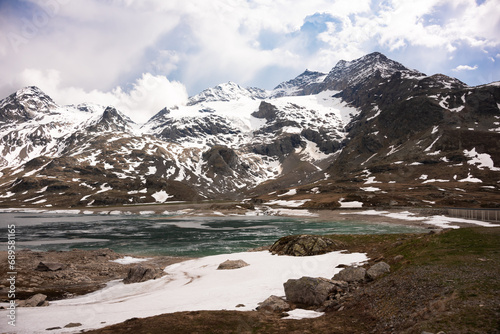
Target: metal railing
(492, 215)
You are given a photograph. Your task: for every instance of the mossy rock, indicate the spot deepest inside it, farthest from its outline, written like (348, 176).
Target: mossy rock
(305, 245)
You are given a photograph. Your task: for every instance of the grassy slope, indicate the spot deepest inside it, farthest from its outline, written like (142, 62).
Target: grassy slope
(445, 282)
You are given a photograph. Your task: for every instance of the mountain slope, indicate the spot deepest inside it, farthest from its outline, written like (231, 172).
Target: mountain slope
(371, 132)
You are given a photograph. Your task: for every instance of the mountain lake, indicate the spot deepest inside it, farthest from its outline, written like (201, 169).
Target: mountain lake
(154, 234)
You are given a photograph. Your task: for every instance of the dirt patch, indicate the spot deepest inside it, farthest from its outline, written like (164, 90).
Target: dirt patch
(83, 271)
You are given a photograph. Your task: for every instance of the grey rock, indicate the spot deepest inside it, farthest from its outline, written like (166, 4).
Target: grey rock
(378, 270)
(304, 245)
(274, 304)
(398, 258)
(309, 290)
(34, 301)
(351, 274)
(49, 266)
(142, 273)
(73, 324)
(232, 264)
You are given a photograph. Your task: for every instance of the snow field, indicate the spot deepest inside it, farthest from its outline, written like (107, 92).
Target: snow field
(188, 286)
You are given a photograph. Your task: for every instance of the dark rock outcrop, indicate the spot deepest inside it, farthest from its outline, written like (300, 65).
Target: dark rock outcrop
(310, 290)
(49, 266)
(378, 270)
(274, 304)
(351, 274)
(142, 273)
(34, 301)
(304, 245)
(232, 264)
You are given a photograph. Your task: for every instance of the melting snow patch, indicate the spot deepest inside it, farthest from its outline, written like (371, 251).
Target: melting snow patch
(481, 160)
(371, 180)
(299, 314)
(312, 152)
(471, 179)
(161, 196)
(290, 204)
(290, 192)
(376, 108)
(292, 212)
(431, 145)
(104, 187)
(368, 159)
(370, 189)
(315, 190)
(40, 202)
(7, 194)
(435, 180)
(189, 286)
(352, 204)
(151, 170)
(129, 260)
(42, 190)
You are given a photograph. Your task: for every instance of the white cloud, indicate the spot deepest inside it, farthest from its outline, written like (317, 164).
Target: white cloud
(465, 68)
(100, 45)
(148, 96)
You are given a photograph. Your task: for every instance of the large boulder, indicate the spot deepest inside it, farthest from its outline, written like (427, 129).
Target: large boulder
(232, 264)
(305, 245)
(378, 270)
(274, 304)
(142, 273)
(310, 290)
(351, 274)
(49, 266)
(34, 301)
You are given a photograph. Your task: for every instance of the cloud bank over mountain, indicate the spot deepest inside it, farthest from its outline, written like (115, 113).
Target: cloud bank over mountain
(105, 50)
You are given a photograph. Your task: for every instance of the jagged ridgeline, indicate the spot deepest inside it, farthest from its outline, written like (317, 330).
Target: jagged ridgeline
(371, 132)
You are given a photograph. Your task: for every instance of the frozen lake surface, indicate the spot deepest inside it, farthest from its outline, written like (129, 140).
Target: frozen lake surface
(171, 235)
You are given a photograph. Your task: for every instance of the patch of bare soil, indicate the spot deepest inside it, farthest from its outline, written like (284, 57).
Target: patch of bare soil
(73, 272)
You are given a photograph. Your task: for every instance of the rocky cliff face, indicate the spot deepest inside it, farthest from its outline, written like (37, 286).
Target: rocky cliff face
(371, 132)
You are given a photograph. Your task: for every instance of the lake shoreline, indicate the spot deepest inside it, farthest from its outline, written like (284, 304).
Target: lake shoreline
(410, 217)
(377, 247)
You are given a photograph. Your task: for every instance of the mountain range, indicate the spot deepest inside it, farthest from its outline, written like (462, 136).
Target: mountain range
(370, 133)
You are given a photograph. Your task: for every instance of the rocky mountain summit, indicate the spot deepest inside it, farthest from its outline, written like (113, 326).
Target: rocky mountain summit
(371, 132)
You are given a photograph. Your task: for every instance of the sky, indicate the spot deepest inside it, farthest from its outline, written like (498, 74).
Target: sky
(143, 55)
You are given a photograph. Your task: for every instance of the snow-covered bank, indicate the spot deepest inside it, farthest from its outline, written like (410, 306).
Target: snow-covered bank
(189, 286)
(436, 220)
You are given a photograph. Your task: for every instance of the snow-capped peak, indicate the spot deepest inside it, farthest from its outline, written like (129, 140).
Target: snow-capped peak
(112, 120)
(229, 91)
(350, 73)
(29, 91)
(299, 84)
(26, 103)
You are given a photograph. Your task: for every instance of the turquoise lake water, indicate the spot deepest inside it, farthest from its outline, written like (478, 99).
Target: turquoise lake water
(170, 235)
